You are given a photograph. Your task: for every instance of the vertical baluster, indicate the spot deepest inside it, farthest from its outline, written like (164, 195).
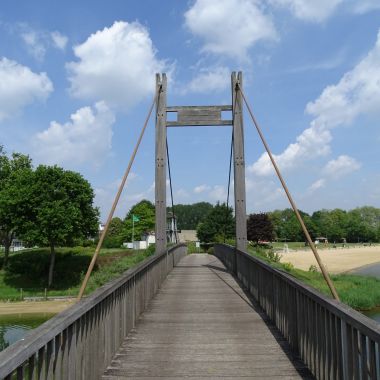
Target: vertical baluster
(20, 372)
(363, 356)
(50, 359)
(372, 359)
(32, 367)
(41, 364)
(58, 357)
(355, 354)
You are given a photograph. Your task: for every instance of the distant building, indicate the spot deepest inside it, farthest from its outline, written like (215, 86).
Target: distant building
(17, 245)
(321, 239)
(101, 228)
(149, 237)
(171, 228)
(187, 236)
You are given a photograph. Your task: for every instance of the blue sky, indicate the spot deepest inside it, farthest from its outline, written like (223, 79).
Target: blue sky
(77, 78)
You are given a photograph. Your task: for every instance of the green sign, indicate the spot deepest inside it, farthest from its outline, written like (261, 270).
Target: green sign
(135, 218)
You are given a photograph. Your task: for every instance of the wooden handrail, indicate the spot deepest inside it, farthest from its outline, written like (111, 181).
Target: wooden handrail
(18, 354)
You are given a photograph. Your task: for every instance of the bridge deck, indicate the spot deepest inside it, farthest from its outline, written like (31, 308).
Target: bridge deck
(201, 325)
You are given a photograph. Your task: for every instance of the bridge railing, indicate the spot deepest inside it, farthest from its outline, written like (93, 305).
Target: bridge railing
(332, 339)
(80, 342)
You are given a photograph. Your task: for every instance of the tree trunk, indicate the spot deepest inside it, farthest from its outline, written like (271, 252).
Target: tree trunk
(51, 267)
(7, 245)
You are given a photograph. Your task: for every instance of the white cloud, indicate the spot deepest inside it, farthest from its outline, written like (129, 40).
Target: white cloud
(116, 64)
(59, 40)
(86, 138)
(357, 93)
(19, 87)
(312, 142)
(314, 11)
(209, 80)
(34, 44)
(229, 27)
(320, 183)
(38, 41)
(201, 189)
(218, 193)
(341, 166)
(364, 6)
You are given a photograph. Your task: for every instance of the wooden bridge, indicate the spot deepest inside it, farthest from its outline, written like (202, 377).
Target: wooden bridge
(177, 316)
(221, 316)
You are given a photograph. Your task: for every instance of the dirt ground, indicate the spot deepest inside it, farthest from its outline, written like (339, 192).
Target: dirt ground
(338, 260)
(30, 307)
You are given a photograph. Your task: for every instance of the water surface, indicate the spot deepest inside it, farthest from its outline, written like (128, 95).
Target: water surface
(373, 314)
(372, 270)
(15, 327)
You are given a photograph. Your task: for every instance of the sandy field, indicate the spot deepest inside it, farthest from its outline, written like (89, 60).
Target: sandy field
(337, 260)
(30, 307)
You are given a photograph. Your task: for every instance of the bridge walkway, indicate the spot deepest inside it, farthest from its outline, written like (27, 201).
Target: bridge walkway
(201, 325)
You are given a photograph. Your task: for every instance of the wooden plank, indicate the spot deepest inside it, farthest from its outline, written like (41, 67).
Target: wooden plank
(160, 173)
(239, 164)
(199, 123)
(227, 107)
(201, 324)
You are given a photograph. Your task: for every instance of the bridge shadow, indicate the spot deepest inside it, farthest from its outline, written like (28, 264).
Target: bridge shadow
(296, 361)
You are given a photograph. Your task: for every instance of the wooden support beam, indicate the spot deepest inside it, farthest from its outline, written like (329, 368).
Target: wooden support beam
(199, 116)
(199, 123)
(239, 163)
(160, 174)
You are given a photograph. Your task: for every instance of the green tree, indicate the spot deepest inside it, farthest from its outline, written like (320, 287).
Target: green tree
(363, 225)
(60, 210)
(189, 216)
(15, 173)
(218, 224)
(259, 227)
(115, 234)
(287, 227)
(145, 211)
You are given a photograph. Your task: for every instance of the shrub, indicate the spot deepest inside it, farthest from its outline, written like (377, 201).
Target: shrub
(288, 266)
(273, 256)
(313, 268)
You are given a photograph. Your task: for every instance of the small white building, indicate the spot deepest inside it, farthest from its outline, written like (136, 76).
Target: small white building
(149, 237)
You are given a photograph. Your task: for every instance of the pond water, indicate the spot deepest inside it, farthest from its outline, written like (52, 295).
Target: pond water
(373, 314)
(15, 327)
(372, 270)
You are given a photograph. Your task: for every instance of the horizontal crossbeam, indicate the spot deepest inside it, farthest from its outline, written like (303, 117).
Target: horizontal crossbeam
(198, 116)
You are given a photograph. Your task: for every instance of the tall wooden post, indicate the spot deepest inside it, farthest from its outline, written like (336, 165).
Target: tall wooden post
(239, 163)
(160, 176)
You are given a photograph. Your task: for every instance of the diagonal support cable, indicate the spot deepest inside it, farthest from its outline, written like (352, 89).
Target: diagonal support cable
(171, 191)
(116, 200)
(290, 198)
(228, 185)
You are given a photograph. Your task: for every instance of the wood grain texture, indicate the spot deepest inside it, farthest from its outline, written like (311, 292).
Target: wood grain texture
(201, 325)
(239, 163)
(160, 165)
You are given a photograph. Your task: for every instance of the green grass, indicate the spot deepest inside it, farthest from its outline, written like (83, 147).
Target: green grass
(359, 292)
(29, 270)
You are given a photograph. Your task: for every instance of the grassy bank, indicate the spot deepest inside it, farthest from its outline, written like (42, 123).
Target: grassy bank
(359, 292)
(28, 270)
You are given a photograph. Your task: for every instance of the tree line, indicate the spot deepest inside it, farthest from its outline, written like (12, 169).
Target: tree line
(361, 224)
(45, 206)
